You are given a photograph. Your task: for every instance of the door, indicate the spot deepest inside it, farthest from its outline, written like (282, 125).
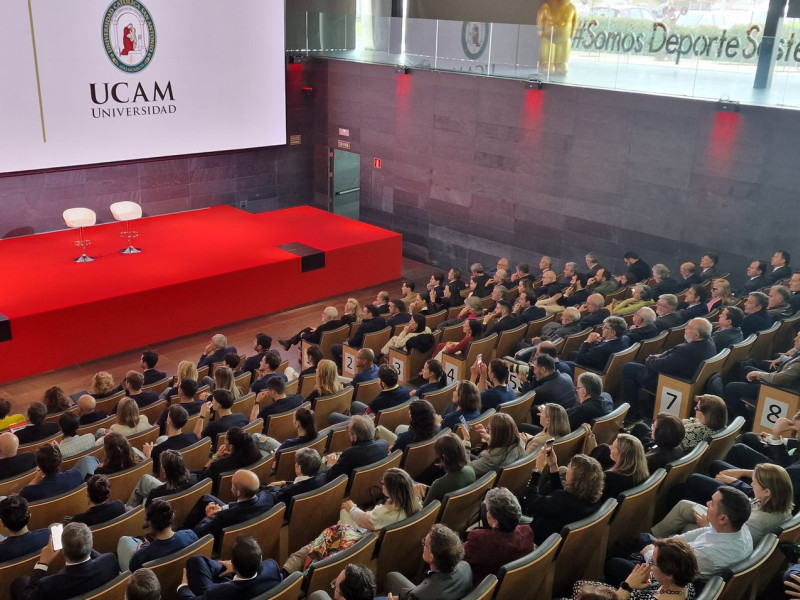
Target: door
(346, 184)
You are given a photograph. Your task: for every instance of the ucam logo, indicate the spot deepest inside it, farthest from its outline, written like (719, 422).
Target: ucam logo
(129, 35)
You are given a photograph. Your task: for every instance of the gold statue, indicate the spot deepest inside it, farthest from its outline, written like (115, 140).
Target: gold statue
(557, 21)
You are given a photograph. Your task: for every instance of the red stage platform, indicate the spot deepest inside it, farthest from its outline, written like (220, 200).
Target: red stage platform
(197, 270)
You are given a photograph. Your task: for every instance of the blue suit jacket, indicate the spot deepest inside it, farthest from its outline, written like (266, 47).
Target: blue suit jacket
(204, 582)
(595, 356)
(52, 485)
(237, 512)
(72, 580)
(357, 455)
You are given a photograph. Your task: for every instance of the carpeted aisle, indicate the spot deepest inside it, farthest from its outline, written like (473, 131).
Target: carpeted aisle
(198, 269)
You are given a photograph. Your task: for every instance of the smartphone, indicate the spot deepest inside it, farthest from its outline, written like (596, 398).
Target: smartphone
(479, 360)
(548, 446)
(463, 421)
(55, 532)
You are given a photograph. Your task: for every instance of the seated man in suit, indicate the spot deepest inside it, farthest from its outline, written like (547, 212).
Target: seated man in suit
(504, 318)
(87, 410)
(492, 383)
(307, 478)
(596, 312)
(708, 266)
(273, 400)
(371, 321)
(249, 503)
(756, 316)
(382, 302)
(598, 347)
(354, 582)
(593, 401)
(689, 275)
(755, 279)
(392, 394)
(780, 267)
(681, 361)
(36, 429)
(143, 585)
(133, 383)
(177, 416)
(149, 371)
(215, 351)
(268, 369)
(48, 481)
(244, 577)
(365, 449)
(666, 309)
(552, 331)
(644, 325)
(526, 311)
(551, 385)
(187, 398)
(15, 515)
(696, 299)
(72, 443)
(398, 314)
(448, 576)
(664, 284)
(11, 463)
(85, 569)
(366, 369)
(224, 418)
(778, 306)
(728, 329)
(313, 335)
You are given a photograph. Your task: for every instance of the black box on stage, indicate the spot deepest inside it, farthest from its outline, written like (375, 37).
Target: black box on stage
(310, 258)
(5, 328)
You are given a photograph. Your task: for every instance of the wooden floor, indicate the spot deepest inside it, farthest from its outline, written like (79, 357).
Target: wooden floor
(285, 324)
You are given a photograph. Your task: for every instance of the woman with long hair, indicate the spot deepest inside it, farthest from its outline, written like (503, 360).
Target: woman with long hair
(577, 497)
(56, 400)
(415, 326)
(305, 426)
(119, 454)
(629, 465)
(239, 452)
(451, 297)
(662, 441)
(772, 501)
(186, 370)
(555, 424)
(422, 426)
(710, 417)
(224, 380)
(129, 421)
(401, 502)
(175, 475)
(352, 312)
(721, 295)
(472, 328)
(451, 457)
(327, 381)
(501, 444)
(466, 403)
(434, 376)
(102, 385)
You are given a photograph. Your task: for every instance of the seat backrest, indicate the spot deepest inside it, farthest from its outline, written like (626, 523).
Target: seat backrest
(292, 386)
(266, 528)
(482, 419)
(518, 409)
(13, 485)
(398, 545)
(107, 404)
(763, 345)
(739, 352)
(789, 531)
(509, 339)
(34, 446)
(53, 510)
(712, 589)
(441, 398)
(123, 482)
(719, 444)
(112, 590)
(13, 569)
(153, 411)
(306, 385)
(244, 405)
(531, 576)
(196, 456)
(515, 476)
(157, 386)
(636, 505)
(483, 346)
(743, 577)
(708, 367)
(281, 425)
(334, 336)
(569, 445)
(650, 346)
(262, 469)
(678, 471)
(149, 435)
(535, 327)
(243, 380)
(182, 502)
(256, 426)
(169, 569)
(433, 321)
(675, 336)
(420, 455)
(321, 573)
(312, 512)
(105, 536)
(338, 438)
(786, 332)
(324, 406)
(288, 589)
(484, 589)
(285, 459)
(375, 340)
(367, 391)
(93, 427)
(391, 418)
(606, 428)
(453, 333)
(573, 342)
(612, 378)
(461, 508)
(54, 417)
(364, 479)
(583, 551)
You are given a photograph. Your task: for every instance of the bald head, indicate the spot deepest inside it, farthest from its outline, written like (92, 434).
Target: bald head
(8, 445)
(596, 300)
(245, 484)
(86, 404)
(366, 354)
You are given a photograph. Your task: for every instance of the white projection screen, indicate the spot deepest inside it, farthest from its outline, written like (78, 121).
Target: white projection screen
(99, 81)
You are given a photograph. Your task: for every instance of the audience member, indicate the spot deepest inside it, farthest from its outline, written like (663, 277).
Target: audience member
(133, 383)
(143, 585)
(15, 515)
(176, 439)
(72, 443)
(593, 401)
(12, 463)
(365, 449)
(215, 351)
(98, 489)
(48, 481)
(87, 410)
(56, 400)
(149, 361)
(224, 418)
(36, 429)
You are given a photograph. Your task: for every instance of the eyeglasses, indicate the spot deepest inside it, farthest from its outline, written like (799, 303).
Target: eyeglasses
(333, 585)
(578, 387)
(424, 543)
(650, 562)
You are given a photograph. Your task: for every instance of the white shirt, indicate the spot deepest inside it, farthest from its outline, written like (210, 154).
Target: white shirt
(716, 551)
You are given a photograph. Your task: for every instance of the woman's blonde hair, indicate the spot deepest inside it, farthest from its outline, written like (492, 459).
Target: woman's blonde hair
(224, 380)
(128, 412)
(588, 478)
(102, 383)
(781, 493)
(186, 370)
(356, 311)
(559, 421)
(328, 378)
(724, 290)
(632, 461)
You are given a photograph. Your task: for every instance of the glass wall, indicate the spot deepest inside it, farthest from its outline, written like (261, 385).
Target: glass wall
(695, 48)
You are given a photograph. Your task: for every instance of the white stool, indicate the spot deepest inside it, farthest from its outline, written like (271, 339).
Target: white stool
(127, 212)
(80, 218)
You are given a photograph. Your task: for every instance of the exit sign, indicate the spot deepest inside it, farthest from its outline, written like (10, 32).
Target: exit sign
(377, 163)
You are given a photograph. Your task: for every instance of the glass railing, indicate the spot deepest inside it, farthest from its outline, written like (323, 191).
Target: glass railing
(675, 57)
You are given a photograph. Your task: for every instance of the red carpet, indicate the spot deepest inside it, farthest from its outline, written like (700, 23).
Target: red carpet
(198, 270)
